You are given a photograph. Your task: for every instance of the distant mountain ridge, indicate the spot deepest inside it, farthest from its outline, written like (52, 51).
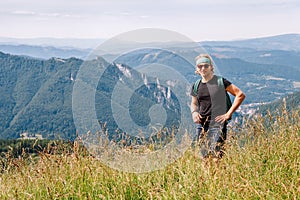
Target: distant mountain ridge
(44, 52)
(72, 43)
(67, 47)
(288, 42)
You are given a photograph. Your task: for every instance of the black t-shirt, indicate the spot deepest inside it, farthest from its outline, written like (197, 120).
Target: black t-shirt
(211, 97)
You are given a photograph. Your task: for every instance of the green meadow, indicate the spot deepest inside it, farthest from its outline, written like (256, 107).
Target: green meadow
(262, 161)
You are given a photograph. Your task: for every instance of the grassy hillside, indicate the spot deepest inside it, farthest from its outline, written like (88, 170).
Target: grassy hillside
(261, 162)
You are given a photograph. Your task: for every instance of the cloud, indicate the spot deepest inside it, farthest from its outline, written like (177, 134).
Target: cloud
(22, 13)
(93, 18)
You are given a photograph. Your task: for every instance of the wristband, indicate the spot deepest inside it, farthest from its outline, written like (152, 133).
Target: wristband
(194, 111)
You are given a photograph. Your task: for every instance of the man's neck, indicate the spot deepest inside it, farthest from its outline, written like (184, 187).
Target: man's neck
(207, 78)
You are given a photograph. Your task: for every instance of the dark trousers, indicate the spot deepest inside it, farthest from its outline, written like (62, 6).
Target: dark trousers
(211, 138)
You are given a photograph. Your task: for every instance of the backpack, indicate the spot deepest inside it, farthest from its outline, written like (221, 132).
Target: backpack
(220, 84)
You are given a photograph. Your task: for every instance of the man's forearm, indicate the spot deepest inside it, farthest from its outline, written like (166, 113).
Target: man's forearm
(194, 108)
(237, 102)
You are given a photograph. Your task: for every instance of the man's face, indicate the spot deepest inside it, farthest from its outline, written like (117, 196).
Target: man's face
(204, 69)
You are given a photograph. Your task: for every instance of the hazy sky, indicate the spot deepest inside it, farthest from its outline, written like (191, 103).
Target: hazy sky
(197, 19)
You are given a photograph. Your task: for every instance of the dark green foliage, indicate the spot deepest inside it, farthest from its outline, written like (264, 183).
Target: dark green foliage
(17, 147)
(289, 103)
(36, 96)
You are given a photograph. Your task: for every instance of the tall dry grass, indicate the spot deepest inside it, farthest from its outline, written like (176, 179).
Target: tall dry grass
(262, 161)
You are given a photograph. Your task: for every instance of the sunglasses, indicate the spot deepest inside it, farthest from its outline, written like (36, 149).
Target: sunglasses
(205, 66)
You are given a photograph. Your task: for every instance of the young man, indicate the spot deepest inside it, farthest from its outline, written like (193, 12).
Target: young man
(208, 106)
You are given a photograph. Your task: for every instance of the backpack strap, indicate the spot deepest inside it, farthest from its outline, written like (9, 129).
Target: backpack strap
(196, 85)
(220, 81)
